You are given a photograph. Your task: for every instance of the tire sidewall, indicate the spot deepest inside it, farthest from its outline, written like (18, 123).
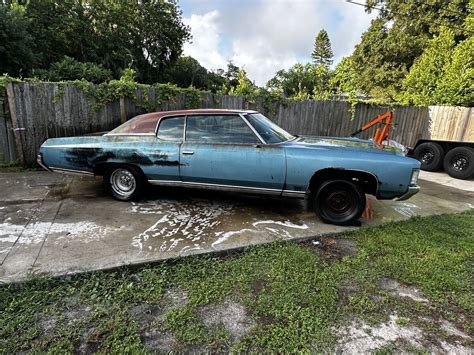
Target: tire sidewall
(468, 153)
(436, 150)
(139, 182)
(357, 195)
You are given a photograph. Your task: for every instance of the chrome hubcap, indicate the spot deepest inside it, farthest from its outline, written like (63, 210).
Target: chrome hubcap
(123, 182)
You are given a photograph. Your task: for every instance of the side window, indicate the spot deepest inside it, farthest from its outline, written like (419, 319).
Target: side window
(219, 129)
(171, 129)
(139, 124)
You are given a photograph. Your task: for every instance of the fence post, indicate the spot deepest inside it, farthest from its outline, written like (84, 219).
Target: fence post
(16, 128)
(123, 115)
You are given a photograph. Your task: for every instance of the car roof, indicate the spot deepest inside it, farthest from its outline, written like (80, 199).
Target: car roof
(204, 111)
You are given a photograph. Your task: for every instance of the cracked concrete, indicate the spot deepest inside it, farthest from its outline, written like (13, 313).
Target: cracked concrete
(55, 224)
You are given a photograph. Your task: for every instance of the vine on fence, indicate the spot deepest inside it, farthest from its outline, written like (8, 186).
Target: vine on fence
(99, 95)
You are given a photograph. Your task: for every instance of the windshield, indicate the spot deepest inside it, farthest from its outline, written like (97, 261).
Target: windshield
(269, 131)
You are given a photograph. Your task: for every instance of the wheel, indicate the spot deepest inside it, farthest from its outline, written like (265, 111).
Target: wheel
(459, 162)
(340, 202)
(430, 155)
(125, 183)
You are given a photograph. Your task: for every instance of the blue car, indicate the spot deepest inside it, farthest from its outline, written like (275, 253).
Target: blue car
(239, 151)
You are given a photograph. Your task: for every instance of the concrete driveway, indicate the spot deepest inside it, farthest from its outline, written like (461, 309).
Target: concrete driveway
(56, 224)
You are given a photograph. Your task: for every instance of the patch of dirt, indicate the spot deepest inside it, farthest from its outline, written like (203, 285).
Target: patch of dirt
(361, 338)
(331, 248)
(151, 317)
(158, 341)
(230, 314)
(401, 290)
(147, 314)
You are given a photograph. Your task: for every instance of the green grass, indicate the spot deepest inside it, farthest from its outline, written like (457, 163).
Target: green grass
(293, 294)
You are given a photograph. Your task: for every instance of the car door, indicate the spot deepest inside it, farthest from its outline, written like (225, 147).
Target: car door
(224, 150)
(164, 154)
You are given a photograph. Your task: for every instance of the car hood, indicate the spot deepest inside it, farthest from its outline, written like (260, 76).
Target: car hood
(353, 144)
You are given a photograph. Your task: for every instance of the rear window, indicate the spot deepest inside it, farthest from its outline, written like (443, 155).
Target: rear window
(139, 124)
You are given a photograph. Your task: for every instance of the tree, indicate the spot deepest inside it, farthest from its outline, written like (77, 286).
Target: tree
(443, 74)
(147, 35)
(322, 52)
(70, 69)
(456, 87)
(188, 72)
(398, 36)
(16, 53)
(343, 79)
(244, 86)
(302, 81)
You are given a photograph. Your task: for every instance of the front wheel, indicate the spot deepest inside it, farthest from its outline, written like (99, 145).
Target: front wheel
(339, 202)
(124, 183)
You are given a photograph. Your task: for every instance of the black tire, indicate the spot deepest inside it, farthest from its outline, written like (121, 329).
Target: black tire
(459, 162)
(430, 156)
(124, 183)
(339, 202)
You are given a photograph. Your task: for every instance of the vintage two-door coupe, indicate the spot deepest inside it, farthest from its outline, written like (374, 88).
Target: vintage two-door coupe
(237, 151)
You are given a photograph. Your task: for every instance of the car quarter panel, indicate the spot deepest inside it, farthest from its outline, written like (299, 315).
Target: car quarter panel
(157, 159)
(392, 171)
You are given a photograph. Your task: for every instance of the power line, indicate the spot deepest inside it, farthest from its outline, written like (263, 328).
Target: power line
(400, 14)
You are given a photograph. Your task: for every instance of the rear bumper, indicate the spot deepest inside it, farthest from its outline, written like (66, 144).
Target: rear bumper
(39, 160)
(412, 190)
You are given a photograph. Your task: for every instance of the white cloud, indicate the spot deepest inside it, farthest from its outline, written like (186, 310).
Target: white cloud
(267, 35)
(206, 38)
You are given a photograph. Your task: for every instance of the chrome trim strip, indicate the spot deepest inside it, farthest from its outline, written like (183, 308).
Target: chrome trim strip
(39, 160)
(252, 128)
(349, 170)
(71, 171)
(215, 186)
(295, 194)
(412, 190)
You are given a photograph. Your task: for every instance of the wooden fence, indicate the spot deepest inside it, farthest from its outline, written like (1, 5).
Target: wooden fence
(36, 112)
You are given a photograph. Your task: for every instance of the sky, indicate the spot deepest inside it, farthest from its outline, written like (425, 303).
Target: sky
(264, 36)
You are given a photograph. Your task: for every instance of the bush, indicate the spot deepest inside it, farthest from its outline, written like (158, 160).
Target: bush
(71, 69)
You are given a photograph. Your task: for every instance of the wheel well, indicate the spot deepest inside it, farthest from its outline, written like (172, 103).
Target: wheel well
(367, 181)
(101, 168)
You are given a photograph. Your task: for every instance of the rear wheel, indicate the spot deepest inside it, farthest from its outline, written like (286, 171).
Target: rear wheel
(340, 202)
(459, 162)
(430, 156)
(125, 183)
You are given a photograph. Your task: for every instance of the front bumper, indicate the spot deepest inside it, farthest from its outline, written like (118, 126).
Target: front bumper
(39, 160)
(412, 190)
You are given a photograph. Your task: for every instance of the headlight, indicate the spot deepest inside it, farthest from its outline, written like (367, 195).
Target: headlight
(414, 177)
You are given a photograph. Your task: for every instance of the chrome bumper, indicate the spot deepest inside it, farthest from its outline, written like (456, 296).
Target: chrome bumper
(412, 190)
(39, 160)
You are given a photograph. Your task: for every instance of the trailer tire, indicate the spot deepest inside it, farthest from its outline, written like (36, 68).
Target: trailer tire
(459, 162)
(430, 155)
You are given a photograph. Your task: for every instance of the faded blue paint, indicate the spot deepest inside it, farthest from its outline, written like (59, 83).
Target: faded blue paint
(286, 166)
(262, 166)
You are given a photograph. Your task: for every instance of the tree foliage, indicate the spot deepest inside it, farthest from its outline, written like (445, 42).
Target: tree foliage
(398, 36)
(188, 72)
(16, 53)
(147, 35)
(71, 69)
(443, 74)
(322, 52)
(302, 81)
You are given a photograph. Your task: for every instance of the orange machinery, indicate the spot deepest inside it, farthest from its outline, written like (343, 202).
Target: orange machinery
(381, 134)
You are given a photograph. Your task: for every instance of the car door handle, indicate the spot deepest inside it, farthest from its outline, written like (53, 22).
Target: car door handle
(188, 152)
